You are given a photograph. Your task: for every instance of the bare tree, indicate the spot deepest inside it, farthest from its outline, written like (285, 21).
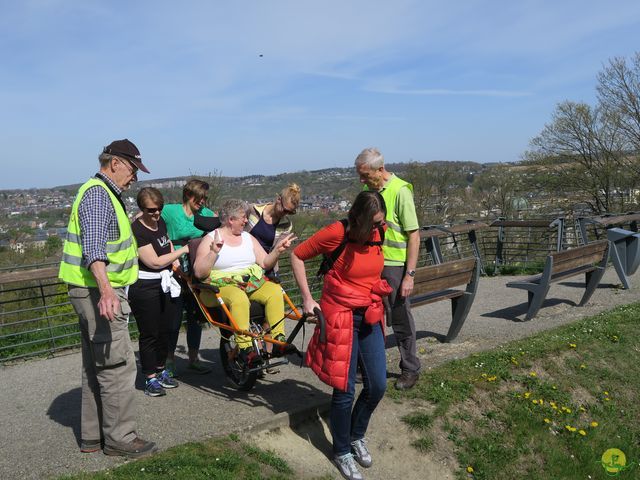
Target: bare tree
(436, 190)
(581, 151)
(496, 189)
(619, 95)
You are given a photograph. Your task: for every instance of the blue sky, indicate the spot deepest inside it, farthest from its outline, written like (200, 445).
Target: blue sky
(274, 86)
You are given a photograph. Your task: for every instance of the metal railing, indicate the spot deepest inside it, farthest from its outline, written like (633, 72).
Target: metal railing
(36, 318)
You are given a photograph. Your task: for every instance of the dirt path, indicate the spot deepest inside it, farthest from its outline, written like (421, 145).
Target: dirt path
(41, 398)
(307, 445)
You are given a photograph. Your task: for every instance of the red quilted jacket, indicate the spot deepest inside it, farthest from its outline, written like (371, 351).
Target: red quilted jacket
(330, 360)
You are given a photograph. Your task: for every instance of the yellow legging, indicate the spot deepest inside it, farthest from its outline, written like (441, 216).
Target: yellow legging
(269, 295)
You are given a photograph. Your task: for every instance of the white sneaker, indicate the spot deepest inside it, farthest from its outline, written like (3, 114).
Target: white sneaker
(361, 452)
(347, 466)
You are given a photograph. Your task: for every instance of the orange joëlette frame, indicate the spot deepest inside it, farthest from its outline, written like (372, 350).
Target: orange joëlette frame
(294, 314)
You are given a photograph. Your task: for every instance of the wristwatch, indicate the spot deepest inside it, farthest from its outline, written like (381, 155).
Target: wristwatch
(411, 273)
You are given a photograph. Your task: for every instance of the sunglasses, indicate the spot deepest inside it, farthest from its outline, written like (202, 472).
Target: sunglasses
(153, 210)
(285, 209)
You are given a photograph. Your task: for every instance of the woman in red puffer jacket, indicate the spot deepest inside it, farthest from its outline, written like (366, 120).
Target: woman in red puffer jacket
(352, 305)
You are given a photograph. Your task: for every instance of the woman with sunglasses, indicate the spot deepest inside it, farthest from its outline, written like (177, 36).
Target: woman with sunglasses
(154, 297)
(351, 302)
(180, 224)
(270, 221)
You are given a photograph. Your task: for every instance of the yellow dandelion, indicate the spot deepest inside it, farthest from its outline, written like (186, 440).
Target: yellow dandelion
(535, 402)
(606, 393)
(554, 387)
(555, 407)
(553, 404)
(546, 420)
(470, 469)
(594, 424)
(607, 399)
(484, 375)
(527, 394)
(582, 409)
(570, 428)
(492, 378)
(541, 401)
(533, 374)
(572, 345)
(582, 432)
(583, 366)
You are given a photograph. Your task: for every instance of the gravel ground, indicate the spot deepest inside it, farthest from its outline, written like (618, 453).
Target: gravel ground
(41, 398)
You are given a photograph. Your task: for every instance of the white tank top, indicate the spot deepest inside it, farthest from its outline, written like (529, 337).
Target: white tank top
(235, 258)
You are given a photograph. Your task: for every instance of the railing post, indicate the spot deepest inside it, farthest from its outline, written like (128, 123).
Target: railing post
(500, 244)
(432, 244)
(52, 342)
(473, 240)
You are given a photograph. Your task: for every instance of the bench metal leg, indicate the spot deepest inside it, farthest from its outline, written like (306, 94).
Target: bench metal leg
(592, 280)
(620, 268)
(460, 307)
(536, 297)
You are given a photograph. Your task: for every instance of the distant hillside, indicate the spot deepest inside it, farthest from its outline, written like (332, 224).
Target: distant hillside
(329, 183)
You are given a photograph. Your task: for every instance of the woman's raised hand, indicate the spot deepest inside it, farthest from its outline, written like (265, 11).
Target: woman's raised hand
(284, 242)
(217, 243)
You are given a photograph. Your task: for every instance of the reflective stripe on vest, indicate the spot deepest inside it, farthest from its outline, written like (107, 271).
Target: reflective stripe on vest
(122, 254)
(395, 239)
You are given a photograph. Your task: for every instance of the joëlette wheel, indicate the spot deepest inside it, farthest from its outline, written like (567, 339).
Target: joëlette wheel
(238, 374)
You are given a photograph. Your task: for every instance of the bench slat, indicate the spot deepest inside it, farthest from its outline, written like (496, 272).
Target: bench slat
(418, 300)
(589, 249)
(443, 276)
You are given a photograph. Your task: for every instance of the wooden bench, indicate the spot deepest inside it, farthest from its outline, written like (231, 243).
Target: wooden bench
(438, 282)
(590, 259)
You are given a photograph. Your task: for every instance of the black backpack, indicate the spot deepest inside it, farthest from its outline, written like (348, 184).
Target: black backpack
(328, 259)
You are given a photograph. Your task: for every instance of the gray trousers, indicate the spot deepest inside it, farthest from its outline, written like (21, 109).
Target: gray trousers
(402, 321)
(108, 369)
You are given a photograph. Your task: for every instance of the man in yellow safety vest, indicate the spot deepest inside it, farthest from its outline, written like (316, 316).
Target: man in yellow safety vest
(400, 249)
(99, 262)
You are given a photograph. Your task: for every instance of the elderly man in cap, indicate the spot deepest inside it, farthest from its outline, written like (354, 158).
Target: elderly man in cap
(99, 261)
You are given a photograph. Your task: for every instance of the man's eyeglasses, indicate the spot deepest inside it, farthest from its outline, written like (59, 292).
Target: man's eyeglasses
(133, 170)
(153, 210)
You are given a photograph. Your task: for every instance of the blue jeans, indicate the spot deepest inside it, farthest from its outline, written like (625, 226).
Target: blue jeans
(349, 424)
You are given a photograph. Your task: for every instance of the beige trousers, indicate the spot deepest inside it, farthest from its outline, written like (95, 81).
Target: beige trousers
(108, 369)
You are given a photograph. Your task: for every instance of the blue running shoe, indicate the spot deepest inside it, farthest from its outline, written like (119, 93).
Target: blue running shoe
(165, 379)
(153, 388)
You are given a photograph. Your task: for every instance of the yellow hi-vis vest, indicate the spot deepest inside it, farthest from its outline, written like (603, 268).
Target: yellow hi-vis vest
(122, 254)
(396, 239)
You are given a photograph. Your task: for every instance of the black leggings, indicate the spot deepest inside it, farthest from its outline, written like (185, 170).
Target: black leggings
(154, 312)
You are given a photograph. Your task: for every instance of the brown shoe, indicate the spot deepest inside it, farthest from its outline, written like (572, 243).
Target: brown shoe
(407, 380)
(90, 446)
(136, 448)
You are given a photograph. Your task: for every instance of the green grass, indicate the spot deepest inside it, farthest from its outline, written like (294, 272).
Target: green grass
(506, 412)
(224, 458)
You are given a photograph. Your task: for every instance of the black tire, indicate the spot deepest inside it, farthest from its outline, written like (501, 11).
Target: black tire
(239, 375)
